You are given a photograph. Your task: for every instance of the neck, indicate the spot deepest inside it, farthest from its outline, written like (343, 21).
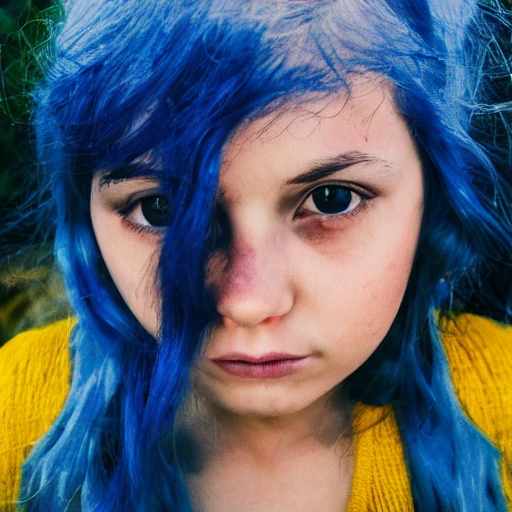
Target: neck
(217, 435)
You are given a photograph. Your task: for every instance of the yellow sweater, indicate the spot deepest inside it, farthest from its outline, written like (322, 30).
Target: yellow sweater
(35, 377)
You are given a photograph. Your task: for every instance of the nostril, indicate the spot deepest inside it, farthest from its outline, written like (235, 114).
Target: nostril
(271, 320)
(229, 323)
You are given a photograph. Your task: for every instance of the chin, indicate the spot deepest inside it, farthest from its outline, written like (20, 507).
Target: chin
(262, 400)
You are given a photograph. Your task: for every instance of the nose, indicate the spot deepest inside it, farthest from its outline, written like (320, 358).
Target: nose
(250, 283)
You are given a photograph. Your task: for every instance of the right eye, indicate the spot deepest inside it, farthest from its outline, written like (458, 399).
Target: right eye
(149, 214)
(155, 211)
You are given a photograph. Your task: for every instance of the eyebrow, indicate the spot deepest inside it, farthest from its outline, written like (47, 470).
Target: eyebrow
(323, 169)
(326, 168)
(129, 172)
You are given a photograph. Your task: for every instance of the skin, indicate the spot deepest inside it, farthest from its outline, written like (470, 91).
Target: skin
(292, 280)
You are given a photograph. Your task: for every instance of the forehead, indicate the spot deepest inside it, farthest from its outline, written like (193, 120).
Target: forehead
(298, 135)
(279, 145)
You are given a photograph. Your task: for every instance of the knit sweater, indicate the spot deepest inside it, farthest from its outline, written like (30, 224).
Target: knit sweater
(35, 378)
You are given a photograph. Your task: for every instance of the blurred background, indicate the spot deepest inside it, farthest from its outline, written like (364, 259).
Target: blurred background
(31, 290)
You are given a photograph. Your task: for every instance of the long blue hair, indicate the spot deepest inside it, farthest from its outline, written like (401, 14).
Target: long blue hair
(174, 79)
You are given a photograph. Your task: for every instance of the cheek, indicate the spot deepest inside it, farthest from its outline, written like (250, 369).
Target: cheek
(132, 266)
(359, 310)
(357, 283)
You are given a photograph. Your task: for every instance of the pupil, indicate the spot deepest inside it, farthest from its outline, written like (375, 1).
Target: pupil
(156, 210)
(331, 200)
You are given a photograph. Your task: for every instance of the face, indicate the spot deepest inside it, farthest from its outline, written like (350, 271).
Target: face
(324, 206)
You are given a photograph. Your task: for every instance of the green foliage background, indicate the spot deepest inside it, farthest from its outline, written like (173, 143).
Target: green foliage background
(35, 296)
(24, 30)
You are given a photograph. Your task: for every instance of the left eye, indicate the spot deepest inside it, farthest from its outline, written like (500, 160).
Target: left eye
(152, 211)
(332, 200)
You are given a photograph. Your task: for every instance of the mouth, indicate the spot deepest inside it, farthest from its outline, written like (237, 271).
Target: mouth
(268, 366)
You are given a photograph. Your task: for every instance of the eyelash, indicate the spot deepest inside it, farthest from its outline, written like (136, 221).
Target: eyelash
(126, 210)
(365, 198)
(140, 229)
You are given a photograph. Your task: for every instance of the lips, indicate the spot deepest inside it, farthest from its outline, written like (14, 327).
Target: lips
(267, 366)
(273, 356)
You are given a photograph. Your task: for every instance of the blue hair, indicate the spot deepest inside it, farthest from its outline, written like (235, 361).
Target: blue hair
(175, 79)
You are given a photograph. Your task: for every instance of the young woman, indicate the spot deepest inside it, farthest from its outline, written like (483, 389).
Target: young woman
(265, 215)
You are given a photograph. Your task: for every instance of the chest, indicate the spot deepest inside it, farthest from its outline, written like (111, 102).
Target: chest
(302, 487)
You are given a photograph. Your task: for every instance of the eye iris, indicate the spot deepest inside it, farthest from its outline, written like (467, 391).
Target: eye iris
(331, 200)
(156, 210)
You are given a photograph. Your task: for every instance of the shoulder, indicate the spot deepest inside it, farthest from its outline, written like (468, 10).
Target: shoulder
(35, 373)
(49, 338)
(32, 358)
(479, 353)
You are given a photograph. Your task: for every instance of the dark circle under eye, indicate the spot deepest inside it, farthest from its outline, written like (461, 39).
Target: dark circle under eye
(332, 199)
(156, 210)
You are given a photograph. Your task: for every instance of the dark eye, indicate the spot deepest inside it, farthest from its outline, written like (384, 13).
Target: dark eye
(332, 200)
(155, 211)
